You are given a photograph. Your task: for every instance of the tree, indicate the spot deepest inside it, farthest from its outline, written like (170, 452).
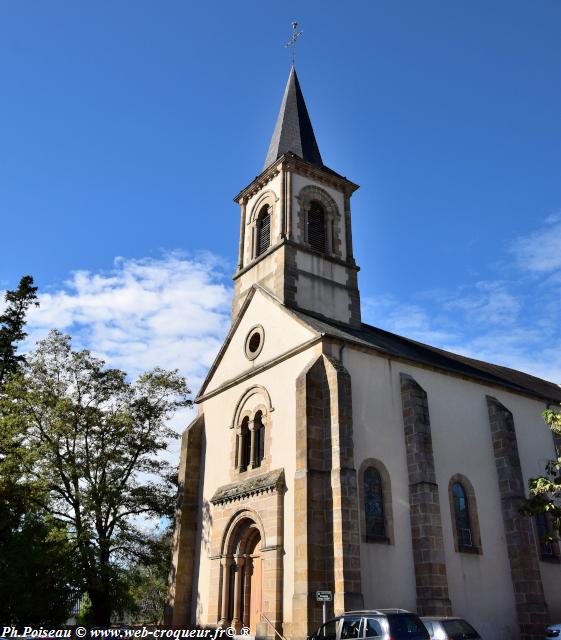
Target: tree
(545, 491)
(94, 441)
(12, 323)
(148, 581)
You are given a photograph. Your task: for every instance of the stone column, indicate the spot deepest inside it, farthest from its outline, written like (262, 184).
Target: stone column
(426, 523)
(348, 230)
(242, 234)
(248, 572)
(252, 453)
(283, 204)
(288, 203)
(226, 568)
(236, 619)
(240, 436)
(531, 608)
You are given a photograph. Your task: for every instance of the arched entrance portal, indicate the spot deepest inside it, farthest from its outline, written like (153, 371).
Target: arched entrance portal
(241, 579)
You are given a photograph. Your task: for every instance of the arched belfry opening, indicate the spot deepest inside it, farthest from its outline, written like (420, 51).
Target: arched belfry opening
(242, 572)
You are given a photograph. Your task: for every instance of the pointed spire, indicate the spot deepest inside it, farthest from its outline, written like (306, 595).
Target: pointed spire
(293, 131)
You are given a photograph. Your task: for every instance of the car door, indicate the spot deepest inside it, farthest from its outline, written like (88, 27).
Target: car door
(350, 628)
(372, 628)
(327, 631)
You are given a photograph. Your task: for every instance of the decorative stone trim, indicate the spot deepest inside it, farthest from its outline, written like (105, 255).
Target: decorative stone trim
(472, 511)
(426, 521)
(255, 336)
(271, 482)
(256, 389)
(292, 162)
(387, 497)
(531, 607)
(247, 530)
(307, 195)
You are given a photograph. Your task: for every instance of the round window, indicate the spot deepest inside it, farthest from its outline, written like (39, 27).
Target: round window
(254, 342)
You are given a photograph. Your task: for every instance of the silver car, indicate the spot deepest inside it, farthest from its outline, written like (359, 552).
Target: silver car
(449, 628)
(397, 624)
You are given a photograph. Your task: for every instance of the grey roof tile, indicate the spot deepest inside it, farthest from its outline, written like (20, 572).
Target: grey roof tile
(397, 346)
(293, 131)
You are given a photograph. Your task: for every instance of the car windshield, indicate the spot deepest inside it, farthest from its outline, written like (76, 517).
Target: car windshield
(407, 627)
(458, 629)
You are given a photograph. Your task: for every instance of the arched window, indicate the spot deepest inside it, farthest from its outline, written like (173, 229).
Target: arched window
(461, 516)
(374, 505)
(546, 547)
(316, 227)
(259, 439)
(263, 231)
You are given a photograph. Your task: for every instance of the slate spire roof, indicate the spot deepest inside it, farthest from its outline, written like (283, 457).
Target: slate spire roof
(293, 131)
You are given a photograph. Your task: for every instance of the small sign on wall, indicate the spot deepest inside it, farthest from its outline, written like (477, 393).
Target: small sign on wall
(324, 596)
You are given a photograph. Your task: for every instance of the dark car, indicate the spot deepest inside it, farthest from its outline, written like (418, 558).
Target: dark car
(450, 629)
(397, 624)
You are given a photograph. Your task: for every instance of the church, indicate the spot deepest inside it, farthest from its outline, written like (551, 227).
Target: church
(331, 455)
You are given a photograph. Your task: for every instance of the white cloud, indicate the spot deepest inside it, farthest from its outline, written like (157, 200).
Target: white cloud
(514, 323)
(540, 251)
(488, 302)
(171, 312)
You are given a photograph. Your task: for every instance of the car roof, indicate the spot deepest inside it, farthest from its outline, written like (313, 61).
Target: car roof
(435, 618)
(375, 612)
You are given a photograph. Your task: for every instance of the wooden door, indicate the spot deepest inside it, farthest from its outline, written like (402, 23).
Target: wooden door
(255, 595)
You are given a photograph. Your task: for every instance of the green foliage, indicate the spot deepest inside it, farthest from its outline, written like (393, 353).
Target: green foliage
(37, 569)
(91, 442)
(545, 490)
(12, 324)
(149, 581)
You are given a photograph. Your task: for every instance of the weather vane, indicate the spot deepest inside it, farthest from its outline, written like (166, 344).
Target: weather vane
(292, 42)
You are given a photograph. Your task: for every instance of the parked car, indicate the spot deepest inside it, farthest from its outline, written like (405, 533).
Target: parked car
(553, 631)
(449, 629)
(397, 624)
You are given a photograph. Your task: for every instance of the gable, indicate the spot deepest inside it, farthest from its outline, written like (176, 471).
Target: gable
(281, 333)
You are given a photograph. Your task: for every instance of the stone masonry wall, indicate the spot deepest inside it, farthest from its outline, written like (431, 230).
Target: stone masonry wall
(426, 523)
(179, 611)
(531, 607)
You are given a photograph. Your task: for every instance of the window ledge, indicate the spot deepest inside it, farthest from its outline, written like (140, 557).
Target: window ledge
(377, 540)
(476, 551)
(551, 559)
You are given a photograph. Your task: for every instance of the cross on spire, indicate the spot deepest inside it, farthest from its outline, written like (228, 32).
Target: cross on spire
(292, 41)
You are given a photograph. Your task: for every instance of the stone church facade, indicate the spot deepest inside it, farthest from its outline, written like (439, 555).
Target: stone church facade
(331, 455)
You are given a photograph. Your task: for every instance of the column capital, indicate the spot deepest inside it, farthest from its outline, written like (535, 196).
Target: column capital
(239, 560)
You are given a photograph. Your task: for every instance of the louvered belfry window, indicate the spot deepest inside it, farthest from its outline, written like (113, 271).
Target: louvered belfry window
(316, 227)
(263, 230)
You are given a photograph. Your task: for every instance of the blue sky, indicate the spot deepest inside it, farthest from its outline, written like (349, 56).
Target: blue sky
(126, 129)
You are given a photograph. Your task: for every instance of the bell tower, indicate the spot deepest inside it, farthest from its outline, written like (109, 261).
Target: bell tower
(295, 225)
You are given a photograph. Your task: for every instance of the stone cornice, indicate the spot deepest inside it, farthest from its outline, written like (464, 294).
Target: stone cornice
(270, 482)
(291, 162)
(301, 247)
